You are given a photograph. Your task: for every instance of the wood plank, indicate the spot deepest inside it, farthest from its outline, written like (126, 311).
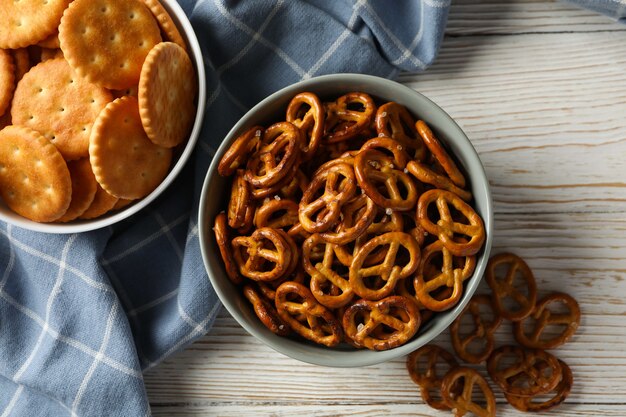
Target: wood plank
(355, 410)
(477, 17)
(581, 254)
(547, 121)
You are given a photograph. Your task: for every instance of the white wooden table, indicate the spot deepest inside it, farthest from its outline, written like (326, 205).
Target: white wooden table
(540, 89)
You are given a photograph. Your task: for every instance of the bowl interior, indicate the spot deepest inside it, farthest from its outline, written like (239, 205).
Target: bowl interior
(271, 110)
(180, 157)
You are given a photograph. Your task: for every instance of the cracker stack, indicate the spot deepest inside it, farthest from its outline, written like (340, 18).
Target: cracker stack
(94, 100)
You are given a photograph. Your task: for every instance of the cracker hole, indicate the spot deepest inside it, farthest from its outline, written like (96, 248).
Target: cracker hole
(45, 1)
(40, 90)
(103, 9)
(93, 100)
(132, 15)
(143, 175)
(125, 120)
(31, 117)
(112, 37)
(62, 109)
(71, 81)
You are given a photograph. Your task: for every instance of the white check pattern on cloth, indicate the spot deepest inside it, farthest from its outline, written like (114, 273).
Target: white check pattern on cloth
(82, 316)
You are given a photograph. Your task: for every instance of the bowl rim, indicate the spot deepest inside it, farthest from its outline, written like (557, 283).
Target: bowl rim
(362, 357)
(79, 226)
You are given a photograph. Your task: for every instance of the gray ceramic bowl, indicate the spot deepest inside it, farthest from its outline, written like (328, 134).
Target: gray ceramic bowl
(273, 109)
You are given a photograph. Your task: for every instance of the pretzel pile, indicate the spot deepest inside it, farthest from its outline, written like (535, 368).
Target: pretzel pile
(531, 378)
(346, 222)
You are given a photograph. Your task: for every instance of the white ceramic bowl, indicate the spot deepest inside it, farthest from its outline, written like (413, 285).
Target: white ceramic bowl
(273, 109)
(180, 157)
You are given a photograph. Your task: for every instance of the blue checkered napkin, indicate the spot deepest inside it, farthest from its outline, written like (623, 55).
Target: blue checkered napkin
(82, 315)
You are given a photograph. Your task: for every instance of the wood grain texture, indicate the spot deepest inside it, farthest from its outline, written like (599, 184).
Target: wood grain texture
(502, 17)
(545, 110)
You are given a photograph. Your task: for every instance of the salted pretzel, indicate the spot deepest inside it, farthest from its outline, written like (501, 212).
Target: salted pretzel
(561, 392)
(374, 169)
(239, 201)
(504, 287)
(266, 312)
(327, 286)
(446, 227)
(306, 112)
(278, 152)
(430, 279)
(266, 255)
(389, 146)
(399, 314)
(392, 269)
(394, 120)
(523, 372)
(428, 176)
(462, 404)
(307, 317)
(542, 318)
(348, 116)
(482, 330)
(238, 153)
(440, 154)
(338, 185)
(358, 214)
(384, 222)
(277, 214)
(425, 375)
(222, 238)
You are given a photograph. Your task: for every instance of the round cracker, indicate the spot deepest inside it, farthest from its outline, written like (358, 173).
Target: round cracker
(106, 41)
(7, 79)
(125, 162)
(34, 179)
(21, 61)
(122, 203)
(53, 100)
(26, 22)
(167, 89)
(102, 203)
(84, 188)
(167, 25)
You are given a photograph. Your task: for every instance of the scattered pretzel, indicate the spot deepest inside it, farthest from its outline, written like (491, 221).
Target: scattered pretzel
(462, 404)
(428, 379)
(504, 287)
(543, 317)
(482, 330)
(561, 392)
(523, 372)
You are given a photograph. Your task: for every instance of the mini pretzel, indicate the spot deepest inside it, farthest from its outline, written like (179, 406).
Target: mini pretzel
(310, 121)
(239, 201)
(395, 121)
(561, 392)
(284, 184)
(389, 271)
(430, 280)
(358, 215)
(343, 123)
(238, 153)
(446, 227)
(383, 223)
(426, 175)
(440, 154)
(400, 157)
(374, 168)
(223, 243)
(277, 214)
(523, 372)
(339, 186)
(362, 318)
(264, 246)
(482, 330)
(323, 274)
(428, 380)
(279, 150)
(266, 312)
(463, 404)
(306, 316)
(543, 317)
(503, 287)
